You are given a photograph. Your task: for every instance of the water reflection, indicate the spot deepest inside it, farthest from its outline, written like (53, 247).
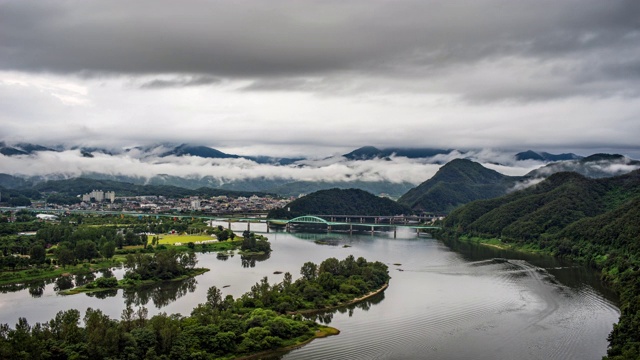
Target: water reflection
(249, 261)
(104, 294)
(161, 294)
(325, 317)
(36, 289)
(63, 283)
(84, 279)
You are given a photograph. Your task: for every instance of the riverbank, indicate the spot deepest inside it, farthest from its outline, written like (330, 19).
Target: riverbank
(350, 302)
(321, 332)
(129, 284)
(52, 272)
(499, 244)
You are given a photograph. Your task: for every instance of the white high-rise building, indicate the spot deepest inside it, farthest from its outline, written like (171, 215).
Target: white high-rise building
(110, 195)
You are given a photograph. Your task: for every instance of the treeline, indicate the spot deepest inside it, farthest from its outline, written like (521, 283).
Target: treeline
(219, 328)
(339, 202)
(78, 238)
(77, 186)
(595, 221)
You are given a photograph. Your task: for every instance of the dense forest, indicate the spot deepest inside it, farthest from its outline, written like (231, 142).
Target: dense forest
(260, 320)
(458, 182)
(339, 202)
(596, 221)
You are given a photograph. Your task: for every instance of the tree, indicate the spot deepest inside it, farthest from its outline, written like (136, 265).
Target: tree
(108, 249)
(37, 254)
(65, 256)
(214, 297)
(309, 271)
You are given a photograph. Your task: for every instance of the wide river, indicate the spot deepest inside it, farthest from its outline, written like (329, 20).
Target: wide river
(445, 301)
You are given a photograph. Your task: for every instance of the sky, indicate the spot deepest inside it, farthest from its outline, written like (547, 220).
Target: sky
(320, 78)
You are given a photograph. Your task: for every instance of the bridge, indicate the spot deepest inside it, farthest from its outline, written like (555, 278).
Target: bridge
(324, 222)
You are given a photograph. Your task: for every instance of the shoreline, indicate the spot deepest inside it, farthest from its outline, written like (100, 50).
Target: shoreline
(350, 302)
(322, 332)
(142, 283)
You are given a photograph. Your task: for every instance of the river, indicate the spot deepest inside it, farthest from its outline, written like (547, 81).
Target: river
(445, 301)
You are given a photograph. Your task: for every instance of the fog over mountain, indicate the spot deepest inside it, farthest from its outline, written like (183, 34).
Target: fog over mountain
(146, 163)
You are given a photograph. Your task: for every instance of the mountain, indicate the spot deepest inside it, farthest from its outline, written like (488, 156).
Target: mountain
(78, 186)
(545, 156)
(199, 151)
(296, 188)
(370, 153)
(458, 182)
(12, 182)
(594, 221)
(21, 149)
(339, 201)
(594, 166)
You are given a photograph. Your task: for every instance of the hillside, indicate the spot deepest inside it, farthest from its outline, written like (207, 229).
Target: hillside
(78, 186)
(458, 182)
(595, 221)
(339, 202)
(545, 156)
(594, 166)
(370, 152)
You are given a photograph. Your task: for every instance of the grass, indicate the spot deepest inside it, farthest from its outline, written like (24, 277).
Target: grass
(30, 275)
(175, 238)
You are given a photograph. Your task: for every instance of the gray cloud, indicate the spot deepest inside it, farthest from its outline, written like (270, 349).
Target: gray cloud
(551, 49)
(180, 82)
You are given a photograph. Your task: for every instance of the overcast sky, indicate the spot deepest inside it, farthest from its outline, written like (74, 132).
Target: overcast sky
(323, 77)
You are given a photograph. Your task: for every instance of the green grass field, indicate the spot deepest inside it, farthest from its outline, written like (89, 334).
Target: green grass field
(175, 238)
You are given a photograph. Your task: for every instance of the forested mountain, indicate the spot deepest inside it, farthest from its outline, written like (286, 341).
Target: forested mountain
(458, 182)
(78, 186)
(339, 202)
(594, 166)
(370, 152)
(545, 156)
(375, 187)
(596, 221)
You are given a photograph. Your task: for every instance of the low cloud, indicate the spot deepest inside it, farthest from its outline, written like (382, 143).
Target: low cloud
(180, 82)
(139, 163)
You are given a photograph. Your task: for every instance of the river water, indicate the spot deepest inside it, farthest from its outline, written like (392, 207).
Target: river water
(445, 300)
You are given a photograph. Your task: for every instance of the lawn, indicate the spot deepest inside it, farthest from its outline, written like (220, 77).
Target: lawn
(175, 238)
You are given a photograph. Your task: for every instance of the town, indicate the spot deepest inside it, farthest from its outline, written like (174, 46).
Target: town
(108, 201)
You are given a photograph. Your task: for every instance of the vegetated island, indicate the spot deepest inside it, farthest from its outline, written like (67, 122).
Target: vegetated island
(593, 221)
(168, 265)
(257, 322)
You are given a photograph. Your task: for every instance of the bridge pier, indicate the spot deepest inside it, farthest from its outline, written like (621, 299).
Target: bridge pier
(329, 228)
(350, 229)
(372, 230)
(229, 224)
(395, 229)
(248, 226)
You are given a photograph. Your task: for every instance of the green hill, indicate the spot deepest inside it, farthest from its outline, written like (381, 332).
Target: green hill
(339, 202)
(596, 221)
(458, 182)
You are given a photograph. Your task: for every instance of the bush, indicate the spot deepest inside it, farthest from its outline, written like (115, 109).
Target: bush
(110, 282)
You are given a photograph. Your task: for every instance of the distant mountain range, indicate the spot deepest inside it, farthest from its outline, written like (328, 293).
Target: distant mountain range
(545, 156)
(370, 152)
(456, 183)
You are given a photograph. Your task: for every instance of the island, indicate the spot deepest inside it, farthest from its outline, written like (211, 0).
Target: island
(268, 318)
